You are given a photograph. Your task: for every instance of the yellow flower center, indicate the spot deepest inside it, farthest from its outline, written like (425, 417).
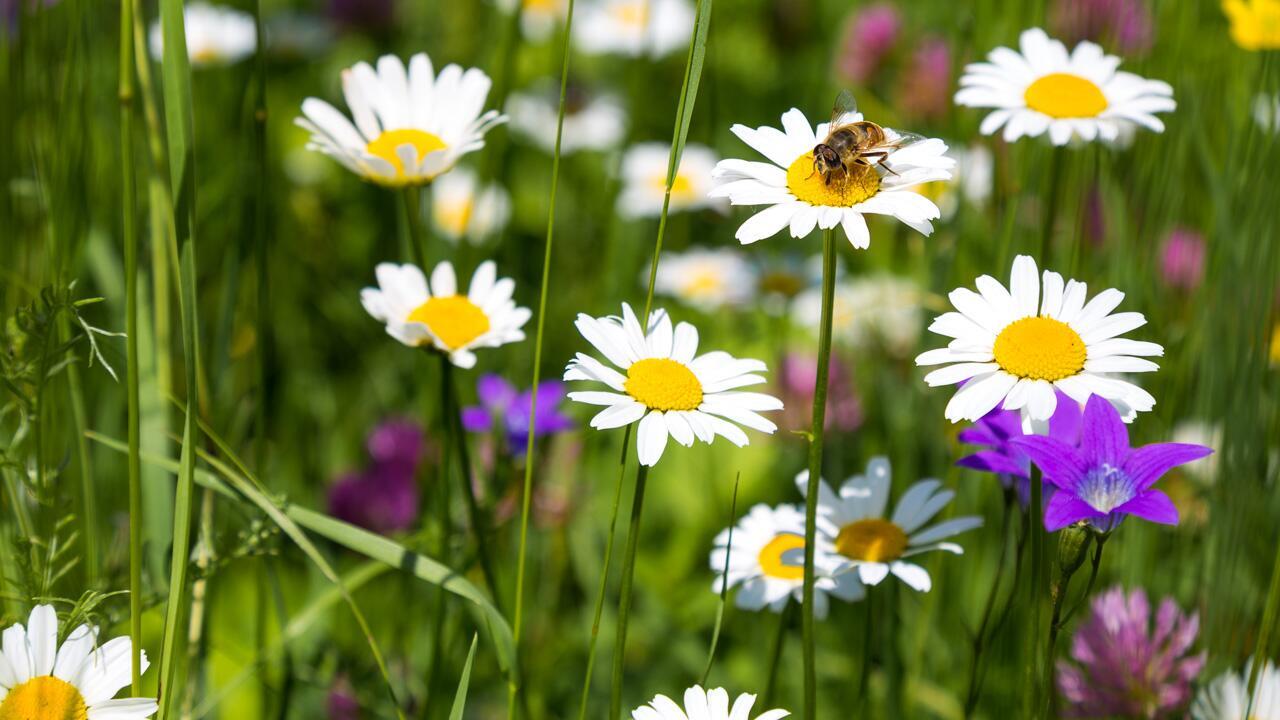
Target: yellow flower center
(455, 217)
(633, 14)
(44, 698)
(204, 55)
(681, 187)
(1040, 348)
(1063, 95)
(423, 142)
(871, 540)
(770, 557)
(542, 5)
(663, 384)
(453, 319)
(703, 283)
(811, 186)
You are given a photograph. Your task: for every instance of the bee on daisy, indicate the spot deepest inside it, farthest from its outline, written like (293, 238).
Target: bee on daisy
(644, 180)
(1077, 94)
(436, 315)
(634, 28)
(834, 174)
(216, 35)
(1011, 347)
(852, 520)
(665, 385)
(702, 704)
(40, 680)
(410, 125)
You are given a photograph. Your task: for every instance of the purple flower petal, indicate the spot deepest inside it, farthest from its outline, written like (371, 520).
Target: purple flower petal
(1148, 463)
(495, 393)
(992, 461)
(1065, 509)
(1104, 439)
(1059, 462)
(1152, 505)
(476, 419)
(1066, 419)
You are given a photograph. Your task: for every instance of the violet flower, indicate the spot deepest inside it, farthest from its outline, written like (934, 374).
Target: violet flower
(1009, 463)
(869, 37)
(1182, 256)
(1103, 479)
(384, 497)
(501, 402)
(1125, 667)
(1123, 25)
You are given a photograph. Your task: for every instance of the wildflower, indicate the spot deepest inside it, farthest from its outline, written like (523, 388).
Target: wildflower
(853, 522)
(634, 28)
(702, 704)
(995, 431)
(437, 316)
(883, 309)
(868, 38)
(45, 681)
(1103, 479)
(341, 703)
(1044, 88)
(926, 90)
(1227, 697)
(1123, 25)
(767, 561)
(216, 35)
(383, 497)
(501, 403)
(461, 209)
(410, 126)
(800, 198)
(798, 380)
(591, 122)
(1255, 24)
(1182, 256)
(1015, 346)
(707, 278)
(644, 180)
(1127, 667)
(667, 387)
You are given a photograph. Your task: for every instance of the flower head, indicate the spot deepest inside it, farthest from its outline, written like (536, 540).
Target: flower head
(1123, 25)
(410, 125)
(1077, 94)
(216, 35)
(995, 431)
(1182, 257)
(634, 28)
(926, 91)
(502, 403)
(1227, 697)
(1103, 480)
(591, 122)
(384, 496)
(800, 198)
(461, 209)
(798, 379)
(1255, 24)
(644, 180)
(707, 278)
(438, 316)
(1014, 346)
(43, 681)
(1127, 667)
(702, 704)
(767, 561)
(868, 38)
(670, 389)
(852, 520)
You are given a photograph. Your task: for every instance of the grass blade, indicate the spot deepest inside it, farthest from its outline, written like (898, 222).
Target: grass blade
(460, 698)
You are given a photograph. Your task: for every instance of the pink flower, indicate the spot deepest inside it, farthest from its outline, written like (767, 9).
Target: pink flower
(799, 376)
(1123, 25)
(867, 39)
(927, 88)
(1182, 256)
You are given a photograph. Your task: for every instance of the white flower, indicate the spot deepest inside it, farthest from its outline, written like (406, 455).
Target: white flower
(971, 181)
(41, 681)
(867, 309)
(1077, 94)
(633, 27)
(1011, 347)
(644, 180)
(437, 316)
(410, 126)
(591, 122)
(666, 388)
(767, 560)
(1266, 112)
(707, 278)
(866, 543)
(1200, 432)
(702, 704)
(1227, 697)
(216, 35)
(800, 198)
(538, 18)
(460, 210)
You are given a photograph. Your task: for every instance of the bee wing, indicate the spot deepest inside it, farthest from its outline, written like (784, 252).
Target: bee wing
(899, 139)
(844, 110)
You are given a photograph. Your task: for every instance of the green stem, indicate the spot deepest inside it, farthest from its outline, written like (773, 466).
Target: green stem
(1265, 630)
(624, 601)
(724, 584)
(1035, 588)
(868, 636)
(775, 655)
(261, 195)
(979, 638)
(453, 424)
(817, 436)
(1058, 620)
(412, 197)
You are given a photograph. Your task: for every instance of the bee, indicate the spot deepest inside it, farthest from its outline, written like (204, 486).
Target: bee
(853, 141)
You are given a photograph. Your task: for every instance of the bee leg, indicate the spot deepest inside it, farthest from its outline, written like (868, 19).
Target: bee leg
(883, 156)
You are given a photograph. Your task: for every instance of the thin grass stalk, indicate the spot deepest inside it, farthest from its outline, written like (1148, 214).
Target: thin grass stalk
(775, 655)
(724, 585)
(979, 637)
(260, 206)
(1260, 652)
(129, 233)
(513, 689)
(816, 437)
(624, 593)
(453, 427)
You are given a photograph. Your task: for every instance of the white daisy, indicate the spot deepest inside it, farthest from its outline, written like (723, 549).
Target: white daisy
(1011, 347)
(1227, 697)
(591, 122)
(460, 209)
(767, 560)
(1077, 94)
(216, 35)
(41, 681)
(971, 181)
(868, 544)
(800, 198)
(644, 180)
(707, 278)
(410, 126)
(538, 18)
(869, 309)
(420, 315)
(702, 704)
(665, 387)
(633, 27)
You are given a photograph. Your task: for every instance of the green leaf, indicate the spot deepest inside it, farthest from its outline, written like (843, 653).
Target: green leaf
(460, 697)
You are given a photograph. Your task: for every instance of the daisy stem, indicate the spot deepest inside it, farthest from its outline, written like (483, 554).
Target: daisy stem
(624, 601)
(260, 231)
(979, 638)
(817, 436)
(526, 499)
(453, 425)
(412, 197)
(1036, 585)
(775, 655)
(604, 576)
(724, 585)
(1058, 621)
(1056, 168)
